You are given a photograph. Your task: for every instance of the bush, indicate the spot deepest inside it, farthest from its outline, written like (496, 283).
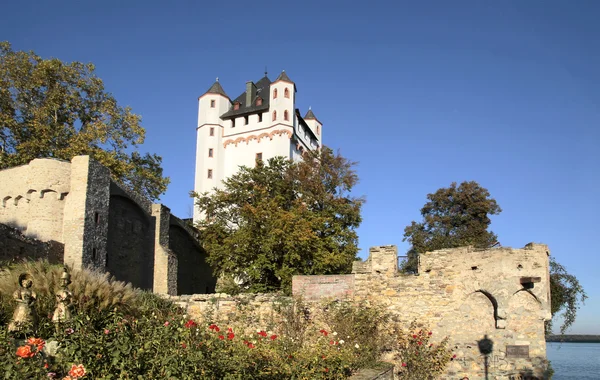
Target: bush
(416, 358)
(117, 332)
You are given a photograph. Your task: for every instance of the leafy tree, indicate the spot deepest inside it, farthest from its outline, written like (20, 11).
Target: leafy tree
(567, 295)
(453, 217)
(459, 216)
(280, 219)
(53, 109)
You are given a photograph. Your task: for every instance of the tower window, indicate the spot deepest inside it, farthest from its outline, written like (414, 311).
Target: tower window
(212, 131)
(275, 94)
(260, 117)
(210, 152)
(259, 101)
(286, 116)
(286, 93)
(318, 130)
(209, 174)
(274, 115)
(236, 105)
(246, 120)
(212, 103)
(259, 156)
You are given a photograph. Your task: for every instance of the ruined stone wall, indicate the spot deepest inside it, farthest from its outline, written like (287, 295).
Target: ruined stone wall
(466, 294)
(101, 225)
(33, 197)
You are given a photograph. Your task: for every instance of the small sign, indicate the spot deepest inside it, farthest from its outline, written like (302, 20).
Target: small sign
(517, 351)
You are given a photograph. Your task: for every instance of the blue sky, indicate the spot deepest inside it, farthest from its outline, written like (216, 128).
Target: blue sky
(421, 94)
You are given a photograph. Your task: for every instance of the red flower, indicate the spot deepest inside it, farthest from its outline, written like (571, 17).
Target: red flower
(77, 371)
(190, 324)
(403, 364)
(323, 332)
(36, 342)
(214, 327)
(250, 345)
(230, 330)
(419, 343)
(414, 337)
(46, 365)
(273, 337)
(230, 336)
(262, 333)
(183, 345)
(221, 337)
(322, 356)
(290, 357)
(331, 342)
(25, 351)
(166, 323)
(429, 333)
(326, 369)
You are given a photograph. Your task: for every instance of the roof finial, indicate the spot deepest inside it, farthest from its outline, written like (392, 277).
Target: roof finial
(265, 70)
(309, 108)
(217, 79)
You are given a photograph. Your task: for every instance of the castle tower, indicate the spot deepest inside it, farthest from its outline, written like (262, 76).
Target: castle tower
(314, 124)
(209, 134)
(261, 123)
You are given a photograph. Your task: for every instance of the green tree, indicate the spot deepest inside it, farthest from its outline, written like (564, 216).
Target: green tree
(452, 217)
(460, 216)
(60, 110)
(281, 218)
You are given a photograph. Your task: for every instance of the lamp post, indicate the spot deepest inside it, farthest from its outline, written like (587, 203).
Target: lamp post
(486, 345)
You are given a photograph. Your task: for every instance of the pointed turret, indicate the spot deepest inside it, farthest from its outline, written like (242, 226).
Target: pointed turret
(284, 77)
(310, 115)
(216, 88)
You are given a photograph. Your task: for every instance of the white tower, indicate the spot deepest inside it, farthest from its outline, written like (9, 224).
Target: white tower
(261, 123)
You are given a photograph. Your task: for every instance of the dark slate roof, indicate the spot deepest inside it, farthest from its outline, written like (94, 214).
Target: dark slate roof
(283, 76)
(216, 88)
(263, 88)
(310, 115)
(301, 121)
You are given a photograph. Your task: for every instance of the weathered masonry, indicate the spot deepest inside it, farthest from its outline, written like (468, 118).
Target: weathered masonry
(467, 294)
(75, 206)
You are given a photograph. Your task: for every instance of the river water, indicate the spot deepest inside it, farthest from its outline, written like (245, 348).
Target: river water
(574, 360)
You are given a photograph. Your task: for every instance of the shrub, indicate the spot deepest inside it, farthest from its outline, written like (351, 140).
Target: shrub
(416, 357)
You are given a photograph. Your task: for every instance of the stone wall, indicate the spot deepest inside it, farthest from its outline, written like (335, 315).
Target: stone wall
(101, 225)
(467, 294)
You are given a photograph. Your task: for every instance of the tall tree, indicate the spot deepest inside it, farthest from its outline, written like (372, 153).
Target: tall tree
(280, 218)
(452, 217)
(460, 216)
(53, 109)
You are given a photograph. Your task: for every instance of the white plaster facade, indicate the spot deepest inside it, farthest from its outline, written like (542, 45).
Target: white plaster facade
(263, 122)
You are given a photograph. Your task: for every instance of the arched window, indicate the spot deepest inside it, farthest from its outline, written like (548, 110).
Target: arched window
(275, 94)
(286, 116)
(286, 93)
(274, 115)
(259, 101)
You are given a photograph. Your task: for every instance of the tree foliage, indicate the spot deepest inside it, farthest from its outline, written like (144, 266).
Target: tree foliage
(567, 294)
(459, 216)
(453, 217)
(60, 110)
(281, 218)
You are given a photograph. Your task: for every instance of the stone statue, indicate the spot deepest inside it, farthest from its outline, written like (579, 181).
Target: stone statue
(62, 311)
(25, 299)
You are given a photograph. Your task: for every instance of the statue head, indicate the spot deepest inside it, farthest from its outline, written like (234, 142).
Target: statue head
(65, 277)
(25, 280)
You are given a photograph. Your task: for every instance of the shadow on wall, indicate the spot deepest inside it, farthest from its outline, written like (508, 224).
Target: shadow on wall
(15, 246)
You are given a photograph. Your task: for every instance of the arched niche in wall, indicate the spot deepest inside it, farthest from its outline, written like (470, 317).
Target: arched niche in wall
(479, 310)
